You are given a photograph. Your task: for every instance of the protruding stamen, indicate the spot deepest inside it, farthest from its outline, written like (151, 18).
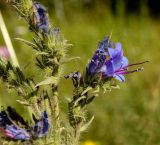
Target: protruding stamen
(132, 71)
(139, 63)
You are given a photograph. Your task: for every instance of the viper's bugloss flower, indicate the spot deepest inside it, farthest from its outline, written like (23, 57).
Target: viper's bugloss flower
(10, 130)
(16, 133)
(10, 122)
(40, 17)
(41, 126)
(116, 65)
(99, 57)
(110, 62)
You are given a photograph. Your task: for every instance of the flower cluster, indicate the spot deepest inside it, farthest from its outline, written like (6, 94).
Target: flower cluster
(40, 17)
(110, 62)
(13, 126)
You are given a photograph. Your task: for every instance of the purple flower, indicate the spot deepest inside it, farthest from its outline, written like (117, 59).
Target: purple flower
(16, 133)
(41, 127)
(99, 57)
(110, 62)
(116, 65)
(40, 18)
(10, 130)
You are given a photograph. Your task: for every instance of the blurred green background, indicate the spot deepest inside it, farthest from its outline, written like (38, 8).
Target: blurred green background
(130, 115)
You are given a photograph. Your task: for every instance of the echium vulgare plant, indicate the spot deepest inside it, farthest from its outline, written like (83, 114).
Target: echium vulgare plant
(42, 98)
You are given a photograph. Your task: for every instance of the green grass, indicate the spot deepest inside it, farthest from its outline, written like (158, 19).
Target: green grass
(129, 116)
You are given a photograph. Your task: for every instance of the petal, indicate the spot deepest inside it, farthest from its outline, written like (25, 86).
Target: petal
(119, 77)
(117, 62)
(108, 69)
(97, 62)
(17, 133)
(118, 49)
(118, 46)
(124, 61)
(112, 52)
(41, 128)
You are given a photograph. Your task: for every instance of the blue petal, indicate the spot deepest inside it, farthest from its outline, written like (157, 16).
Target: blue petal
(108, 69)
(41, 128)
(97, 62)
(118, 49)
(116, 55)
(40, 16)
(119, 77)
(111, 52)
(117, 62)
(124, 61)
(118, 46)
(17, 133)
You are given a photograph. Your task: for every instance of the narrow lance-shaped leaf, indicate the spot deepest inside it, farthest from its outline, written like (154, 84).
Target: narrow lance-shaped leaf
(27, 42)
(85, 126)
(48, 81)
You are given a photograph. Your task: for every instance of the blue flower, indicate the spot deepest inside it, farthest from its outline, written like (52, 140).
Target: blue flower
(11, 130)
(99, 57)
(16, 133)
(110, 62)
(41, 127)
(116, 65)
(40, 18)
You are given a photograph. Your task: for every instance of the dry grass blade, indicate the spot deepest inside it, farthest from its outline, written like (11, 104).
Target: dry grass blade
(8, 41)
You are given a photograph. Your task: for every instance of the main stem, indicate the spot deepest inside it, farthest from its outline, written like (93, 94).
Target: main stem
(77, 134)
(56, 115)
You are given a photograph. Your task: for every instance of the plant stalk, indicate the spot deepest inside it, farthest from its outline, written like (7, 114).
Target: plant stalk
(56, 116)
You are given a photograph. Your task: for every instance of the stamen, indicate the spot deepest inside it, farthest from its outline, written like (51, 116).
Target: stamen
(132, 71)
(135, 64)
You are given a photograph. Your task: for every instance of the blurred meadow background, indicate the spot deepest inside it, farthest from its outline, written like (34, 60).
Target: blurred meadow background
(126, 116)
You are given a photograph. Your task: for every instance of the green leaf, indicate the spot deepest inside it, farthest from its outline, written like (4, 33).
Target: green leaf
(27, 42)
(69, 59)
(86, 90)
(41, 53)
(25, 103)
(19, 11)
(79, 99)
(85, 126)
(48, 81)
(115, 87)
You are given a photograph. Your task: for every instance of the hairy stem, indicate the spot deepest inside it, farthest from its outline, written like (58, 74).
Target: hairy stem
(56, 112)
(77, 134)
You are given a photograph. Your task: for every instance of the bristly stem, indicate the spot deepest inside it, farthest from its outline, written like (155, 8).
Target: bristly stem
(8, 41)
(56, 115)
